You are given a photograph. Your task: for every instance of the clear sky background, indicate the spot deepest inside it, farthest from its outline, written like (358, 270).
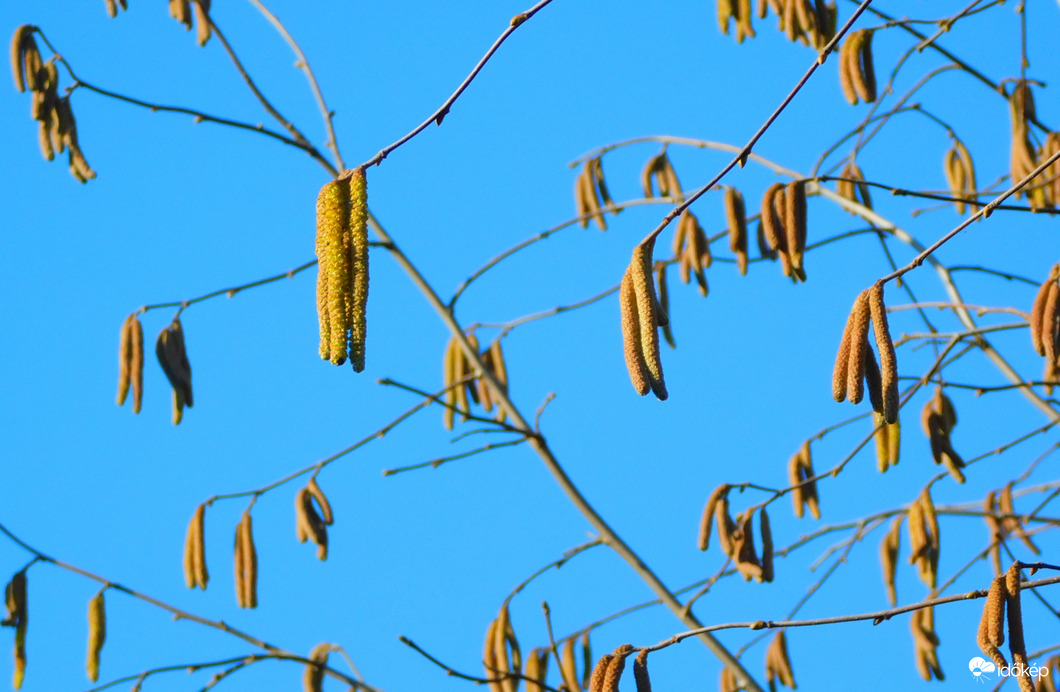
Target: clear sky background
(181, 209)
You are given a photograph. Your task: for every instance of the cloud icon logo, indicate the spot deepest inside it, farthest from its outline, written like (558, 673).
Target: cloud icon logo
(978, 666)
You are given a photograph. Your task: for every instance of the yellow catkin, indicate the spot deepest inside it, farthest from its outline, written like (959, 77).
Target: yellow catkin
(249, 562)
(587, 660)
(631, 334)
(97, 634)
(309, 524)
(357, 243)
(601, 184)
(313, 677)
(536, 669)
(322, 500)
(195, 572)
(1048, 329)
(569, 668)
(794, 480)
(489, 657)
(771, 221)
(648, 317)
(502, 661)
(767, 545)
(1011, 524)
(889, 558)
(922, 624)
(18, 617)
(848, 58)
(726, 527)
(745, 554)
(809, 490)
(664, 302)
(581, 199)
(591, 198)
(706, 523)
(237, 566)
(1016, 645)
(125, 360)
(500, 372)
(333, 218)
(778, 652)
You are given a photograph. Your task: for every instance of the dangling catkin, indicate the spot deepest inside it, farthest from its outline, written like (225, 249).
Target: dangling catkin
(736, 217)
(569, 668)
(125, 359)
(889, 558)
(640, 671)
(778, 661)
(648, 316)
(706, 522)
(767, 545)
(247, 563)
(858, 345)
(888, 359)
(1016, 645)
(615, 668)
(308, 523)
(795, 224)
(599, 672)
(536, 669)
(313, 677)
(635, 364)
(664, 302)
(991, 633)
(322, 500)
(97, 634)
(173, 357)
(16, 599)
(195, 573)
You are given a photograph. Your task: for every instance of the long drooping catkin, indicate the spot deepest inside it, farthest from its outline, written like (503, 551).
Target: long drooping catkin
(888, 358)
(640, 320)
(858, 346)
(342, 279)
(173, 357)
(308, 523)
(195, 572)
(736, 218)
(795, 224)
(707, 520)
(745, 555)
(640, 671)
(991, 633)
(313, 677)
(357, 242)
(778, 663)
(97, 634)
(889, 558)
(16, 599)
(767, 545)
(131, 362)
(246, 563)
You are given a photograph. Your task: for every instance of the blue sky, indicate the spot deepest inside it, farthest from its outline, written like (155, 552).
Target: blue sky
(181, 209)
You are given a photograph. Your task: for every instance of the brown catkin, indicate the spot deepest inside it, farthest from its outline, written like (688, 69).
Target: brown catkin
(991, 632)
(779, 649)
(842, 360)
(889, 558)
(97, 634)
(771, 222)
(599, 672)
(664, 302)
(536, 669)
(736, 217)
(767, 545)
(16, 597)
(848, 65)
(1038, 321)
(1016, 645)
(640, 273)
(795, 223)
(640, 671)
(237, 565)
(865, 74)
(173, 357)
(249, 562)
(309, 523)
(706, 522)
(859, 320)
(489, 657)
(587, 660)
(746, 556)
(202, 22)
(794, 480)
(615, 668)
(888, 359)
